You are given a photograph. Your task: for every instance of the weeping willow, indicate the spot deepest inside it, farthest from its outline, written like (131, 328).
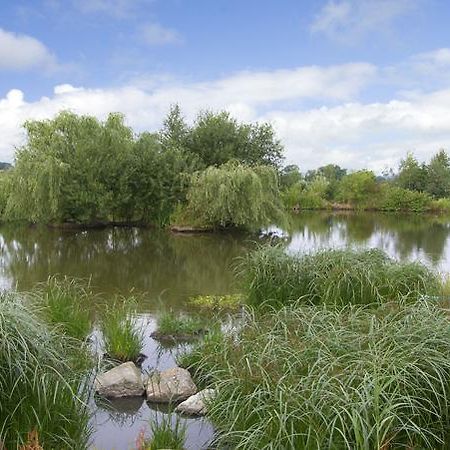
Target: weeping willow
(234, 196)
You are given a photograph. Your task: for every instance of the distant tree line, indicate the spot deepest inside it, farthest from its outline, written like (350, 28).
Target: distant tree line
(414, 187)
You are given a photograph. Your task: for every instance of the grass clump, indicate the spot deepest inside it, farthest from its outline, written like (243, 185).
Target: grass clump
(41, 392)
(65, 302)
(336, 277)
(123, 338)
(343, 378)
(166, 434)
(231, 302)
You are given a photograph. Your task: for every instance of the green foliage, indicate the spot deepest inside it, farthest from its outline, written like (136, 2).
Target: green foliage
(394, 198)
(167, 433)
(170, 323)
(411, 175)
(358, 188)
(229, 302)
(314, 378)
(438, 184)
(123, 338)
(65, 303)
(39, 388)
(234, 196)
(332, 173)
(440, 205)
(336, 277)
(217, 138)
(290, 176)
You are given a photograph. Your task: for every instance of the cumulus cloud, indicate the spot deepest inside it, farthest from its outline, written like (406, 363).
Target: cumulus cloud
(19, 52)
(156, 34)
(349, 20)
(316, 111)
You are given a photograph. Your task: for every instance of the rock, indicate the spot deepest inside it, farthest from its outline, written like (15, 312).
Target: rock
(196, 404)
(121, 381)
(170, 386)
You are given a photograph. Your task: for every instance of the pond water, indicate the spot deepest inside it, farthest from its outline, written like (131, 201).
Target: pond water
(167, 269)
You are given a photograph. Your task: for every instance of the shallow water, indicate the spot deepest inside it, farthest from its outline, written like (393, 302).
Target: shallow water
(166, 269)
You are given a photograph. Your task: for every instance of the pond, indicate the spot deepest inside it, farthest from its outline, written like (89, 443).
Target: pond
(169, 268)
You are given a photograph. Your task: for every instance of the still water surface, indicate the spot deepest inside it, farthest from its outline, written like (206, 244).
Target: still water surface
(169, 268)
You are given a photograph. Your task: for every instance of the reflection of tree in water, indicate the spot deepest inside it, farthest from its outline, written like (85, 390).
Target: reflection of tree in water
(119, 259)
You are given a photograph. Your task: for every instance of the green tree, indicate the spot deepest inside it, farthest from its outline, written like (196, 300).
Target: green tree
(358, 188)
(411, 174)
(233, 196)
(175, 131)
(290, 175)
(438, 180)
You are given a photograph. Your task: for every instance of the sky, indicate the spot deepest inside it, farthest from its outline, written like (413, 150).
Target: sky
(357, 83)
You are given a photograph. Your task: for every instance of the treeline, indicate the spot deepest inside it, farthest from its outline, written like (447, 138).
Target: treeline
(77, 169)
(415, 187)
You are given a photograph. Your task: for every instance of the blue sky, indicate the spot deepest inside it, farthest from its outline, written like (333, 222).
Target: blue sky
(354, 82)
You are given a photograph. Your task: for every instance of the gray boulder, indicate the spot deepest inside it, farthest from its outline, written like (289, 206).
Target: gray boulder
(196, 404)
(121, 381)
(170, 386)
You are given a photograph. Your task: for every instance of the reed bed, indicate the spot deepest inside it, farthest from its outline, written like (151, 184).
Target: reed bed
(311, 377)
(272, 277)
(40, 390)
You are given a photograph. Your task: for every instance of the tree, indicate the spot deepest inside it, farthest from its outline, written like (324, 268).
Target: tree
(411, 174)
(358, 188)
(233, 195)
(218, 138)
(290, 175)
(438, 180)
(332, 173)
(175, 131)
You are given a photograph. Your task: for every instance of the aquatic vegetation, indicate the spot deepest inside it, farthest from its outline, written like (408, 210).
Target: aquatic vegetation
(230, 302)
(123, 338)
(170, 323)
(167, 432)
(337, 277)
(308, 377)
(41, 392)
(66, 302)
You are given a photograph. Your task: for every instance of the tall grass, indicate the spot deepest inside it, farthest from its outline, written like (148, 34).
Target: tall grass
(66, 302)
(166, 434)
(349, 378)
(271, 276)
(123, 338)
(39, 389)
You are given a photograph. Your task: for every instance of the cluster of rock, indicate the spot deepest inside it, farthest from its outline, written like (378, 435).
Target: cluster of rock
(173, 386)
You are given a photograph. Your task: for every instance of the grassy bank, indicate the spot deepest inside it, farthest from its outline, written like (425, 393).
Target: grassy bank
(42, 377)
(272, 277)
(351, 378)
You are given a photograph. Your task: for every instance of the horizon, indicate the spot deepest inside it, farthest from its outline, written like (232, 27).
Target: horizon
(353, 83)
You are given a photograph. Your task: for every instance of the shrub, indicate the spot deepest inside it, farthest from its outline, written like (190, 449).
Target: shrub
(313, 378)
(338, 277)
(123, 339)
(39, 389)
(65, 302)
(440, 205)
(397, 199)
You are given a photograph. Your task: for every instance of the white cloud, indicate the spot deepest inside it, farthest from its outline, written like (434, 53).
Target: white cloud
(115, 8)
(340, 129)
(20, 52)
(156, 34)
(349, 20)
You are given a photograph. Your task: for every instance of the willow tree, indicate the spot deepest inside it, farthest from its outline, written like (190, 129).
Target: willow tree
(234, 196)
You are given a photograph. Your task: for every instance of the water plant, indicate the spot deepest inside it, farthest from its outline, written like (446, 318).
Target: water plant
(123, 337)
(230, 302)
(65, 302)
(273, 277)
(310, 377)
(41, 392)
(167, 432)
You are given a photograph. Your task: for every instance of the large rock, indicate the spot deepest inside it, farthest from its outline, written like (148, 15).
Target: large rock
(170, 386)
(121, 381)
(196, 404)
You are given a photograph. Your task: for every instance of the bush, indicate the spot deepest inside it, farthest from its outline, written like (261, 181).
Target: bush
(271, 276)
(234, 196)
(123, 339)
(441, 205)
(39, 389)
(313, 378)
(394, 198)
